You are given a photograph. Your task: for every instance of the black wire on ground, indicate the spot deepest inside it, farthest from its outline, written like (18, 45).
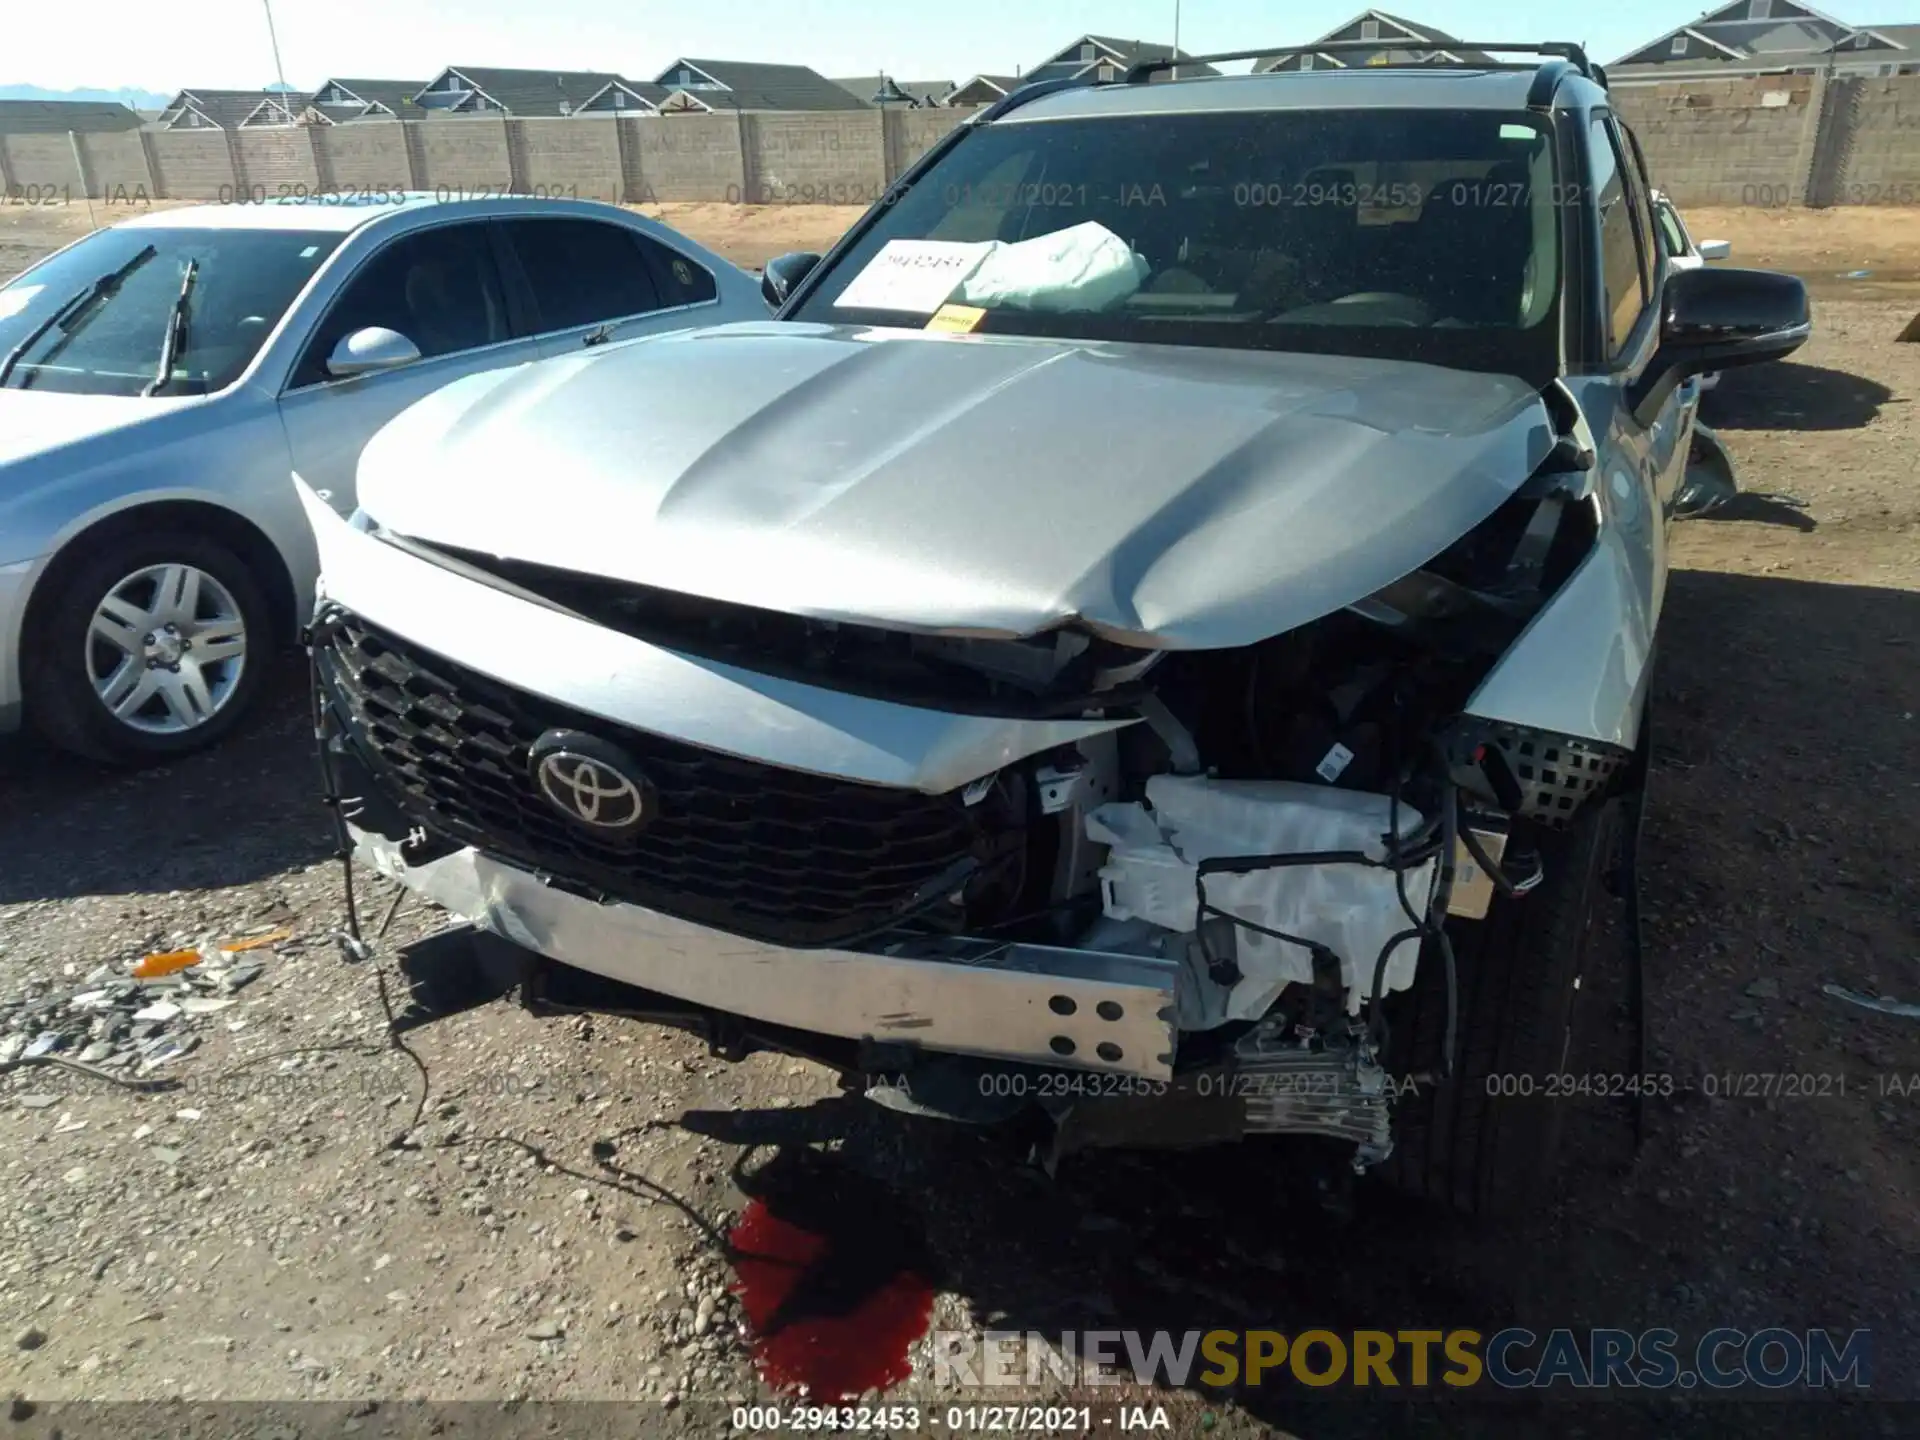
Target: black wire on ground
(352, 943)
(1433, 924)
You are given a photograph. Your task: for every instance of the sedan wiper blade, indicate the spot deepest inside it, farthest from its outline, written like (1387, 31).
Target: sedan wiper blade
(176, 331)
(105, 285)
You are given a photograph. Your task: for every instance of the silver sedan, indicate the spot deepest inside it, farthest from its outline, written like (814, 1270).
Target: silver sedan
(161, 379)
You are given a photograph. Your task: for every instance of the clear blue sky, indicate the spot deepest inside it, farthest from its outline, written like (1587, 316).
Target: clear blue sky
(223, 43)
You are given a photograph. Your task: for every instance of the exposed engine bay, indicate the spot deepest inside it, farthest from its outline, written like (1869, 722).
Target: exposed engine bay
(1287, 826)
(1080, 848)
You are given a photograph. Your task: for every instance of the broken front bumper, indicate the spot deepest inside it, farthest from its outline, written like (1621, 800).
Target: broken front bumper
(1035, 1004)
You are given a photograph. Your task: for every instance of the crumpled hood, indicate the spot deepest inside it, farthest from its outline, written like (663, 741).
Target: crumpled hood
(1180, 497)
(37, 422)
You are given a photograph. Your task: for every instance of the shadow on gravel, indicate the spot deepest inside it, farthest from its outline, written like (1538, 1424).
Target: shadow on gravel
(1788, 395)
(1761, 510)
(246, 810)
(449, 973)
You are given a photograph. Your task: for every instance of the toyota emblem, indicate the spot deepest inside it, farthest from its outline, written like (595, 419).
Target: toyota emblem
(591, 782)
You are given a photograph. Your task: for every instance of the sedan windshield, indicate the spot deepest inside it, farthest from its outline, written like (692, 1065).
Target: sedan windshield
(1417, 233)
(96, 318)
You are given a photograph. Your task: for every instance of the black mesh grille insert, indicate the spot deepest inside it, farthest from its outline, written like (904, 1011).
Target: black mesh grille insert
(751, 848)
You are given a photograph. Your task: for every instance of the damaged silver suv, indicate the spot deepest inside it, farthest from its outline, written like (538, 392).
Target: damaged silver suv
(1151, 640)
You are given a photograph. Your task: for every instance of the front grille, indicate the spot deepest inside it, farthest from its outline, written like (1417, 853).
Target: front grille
(750, 848)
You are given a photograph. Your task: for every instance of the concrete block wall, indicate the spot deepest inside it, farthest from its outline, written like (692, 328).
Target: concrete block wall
(462, 155)
(1881, 163)
(1767, 140)
(270, 163)
(572, 159)
(117, 167)
(192, 164)
(682, 157)
(911, 133)
(366, 157)
(838, 158)
(40, 167)
(1724, 142)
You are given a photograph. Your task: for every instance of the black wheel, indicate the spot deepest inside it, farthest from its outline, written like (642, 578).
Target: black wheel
(1485, 1143)
(152, 647)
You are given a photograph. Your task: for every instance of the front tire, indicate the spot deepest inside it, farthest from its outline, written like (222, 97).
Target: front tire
(151, 648)
(1485, 1142)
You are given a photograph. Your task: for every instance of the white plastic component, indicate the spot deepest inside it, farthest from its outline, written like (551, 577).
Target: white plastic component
(1334, 763)
(1084, 267)
(1352, 909)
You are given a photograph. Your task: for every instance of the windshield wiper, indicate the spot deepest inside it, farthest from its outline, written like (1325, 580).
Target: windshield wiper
(176, 331)
(105, 285)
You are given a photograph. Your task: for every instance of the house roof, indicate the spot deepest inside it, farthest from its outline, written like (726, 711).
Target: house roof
(1747, 37)
(1004, 84)
(1398, 37)
(23, 117)
(1067, 62)
(865, 87)
(641, 95)
(1907, 36)
(230, 109)
(379, 98)
(753, 85)
(531, 92)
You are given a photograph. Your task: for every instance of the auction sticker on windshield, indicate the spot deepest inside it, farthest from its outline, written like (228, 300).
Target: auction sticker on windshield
(914, 276)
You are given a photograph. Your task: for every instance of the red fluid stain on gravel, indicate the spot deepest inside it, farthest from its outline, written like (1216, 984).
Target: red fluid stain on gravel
(826, 1312)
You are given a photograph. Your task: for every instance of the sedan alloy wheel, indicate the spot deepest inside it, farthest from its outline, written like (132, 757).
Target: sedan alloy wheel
(166, 649)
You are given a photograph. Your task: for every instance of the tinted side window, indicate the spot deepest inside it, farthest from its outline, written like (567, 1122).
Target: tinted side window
(1640, 202)
(1619, 251)
(582, 271)
(1670, 227)
(440, 288)
(682, 281)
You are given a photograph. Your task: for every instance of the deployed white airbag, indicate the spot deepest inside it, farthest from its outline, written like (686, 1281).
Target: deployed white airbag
(1084, 267)
(1351, 909)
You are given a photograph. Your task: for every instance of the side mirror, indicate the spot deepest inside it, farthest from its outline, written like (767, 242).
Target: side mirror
(1714, 249)
(783, 272)
(369, 350)
(1717, 319)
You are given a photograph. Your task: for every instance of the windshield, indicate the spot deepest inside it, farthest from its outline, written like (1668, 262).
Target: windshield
(1423, 234)
(113, 342)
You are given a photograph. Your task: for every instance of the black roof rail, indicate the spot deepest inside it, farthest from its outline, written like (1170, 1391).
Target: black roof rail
(1021, 94)
(1546, 80)
(1567, 51)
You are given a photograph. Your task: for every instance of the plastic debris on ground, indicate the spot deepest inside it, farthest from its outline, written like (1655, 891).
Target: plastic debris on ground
(165, 962)
(1885, 1004)
(1353, 910)
(134, 1019)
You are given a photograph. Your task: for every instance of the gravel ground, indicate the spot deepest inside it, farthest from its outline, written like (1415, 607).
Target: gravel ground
(551, 1228)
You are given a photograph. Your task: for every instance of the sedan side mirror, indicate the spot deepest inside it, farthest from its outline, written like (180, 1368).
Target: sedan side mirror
(1717, 319)
(372, 349)
(783, 272)
(1714, 249)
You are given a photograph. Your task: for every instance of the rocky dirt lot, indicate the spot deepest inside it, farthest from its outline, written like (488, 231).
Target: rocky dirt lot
(512, 1207)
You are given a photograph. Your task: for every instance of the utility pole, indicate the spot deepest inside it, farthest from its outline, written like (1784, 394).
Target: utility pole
(1173, 73)
(273, 39)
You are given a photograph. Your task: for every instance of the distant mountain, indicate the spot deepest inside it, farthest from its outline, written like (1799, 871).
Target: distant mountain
(133, 99)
